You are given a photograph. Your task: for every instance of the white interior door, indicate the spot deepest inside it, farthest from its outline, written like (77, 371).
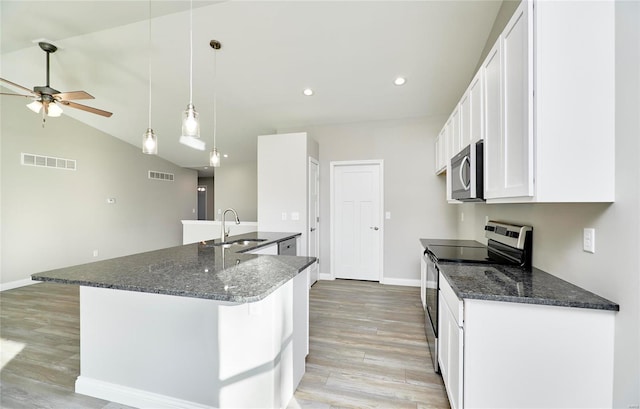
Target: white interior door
(313, 212)
(357, 220)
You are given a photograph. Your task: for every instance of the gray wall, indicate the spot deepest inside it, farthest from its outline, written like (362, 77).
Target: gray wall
(413, 195)
(614, 270)
(53, 218)
(236, 186)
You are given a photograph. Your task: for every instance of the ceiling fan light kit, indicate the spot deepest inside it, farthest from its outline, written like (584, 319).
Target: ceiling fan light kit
(49, 98)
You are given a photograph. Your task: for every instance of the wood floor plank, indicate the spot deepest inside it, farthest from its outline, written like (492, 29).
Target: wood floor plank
(367, 349)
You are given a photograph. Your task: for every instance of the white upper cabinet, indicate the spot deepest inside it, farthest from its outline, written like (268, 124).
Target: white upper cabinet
(510, 148)
(549, 86)
(476, 131)
(464, 109)
(441, 152)
(493, 142)
(471, 112)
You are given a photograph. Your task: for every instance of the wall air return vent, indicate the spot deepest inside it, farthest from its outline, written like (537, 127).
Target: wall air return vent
(30, 159)
(153, 174)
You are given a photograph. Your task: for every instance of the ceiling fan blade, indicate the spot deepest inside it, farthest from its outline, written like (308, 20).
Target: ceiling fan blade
(72, 95)
(18, 86)
(86, 108)
(16, 95)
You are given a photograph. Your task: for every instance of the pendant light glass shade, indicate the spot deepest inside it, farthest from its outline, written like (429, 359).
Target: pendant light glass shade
(54, 110)
(190, 122)
(214, 158)
(35, 106)
(149, 142)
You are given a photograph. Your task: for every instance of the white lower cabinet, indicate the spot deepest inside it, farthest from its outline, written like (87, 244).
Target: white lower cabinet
(451, 342)
(497, 354)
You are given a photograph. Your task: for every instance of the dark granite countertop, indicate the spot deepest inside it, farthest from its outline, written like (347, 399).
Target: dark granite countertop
(200, 270)
(520, 285)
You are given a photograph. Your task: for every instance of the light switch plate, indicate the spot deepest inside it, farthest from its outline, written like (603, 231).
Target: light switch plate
(284, 216)
(295, 216)
(387, 215)
(589, 240)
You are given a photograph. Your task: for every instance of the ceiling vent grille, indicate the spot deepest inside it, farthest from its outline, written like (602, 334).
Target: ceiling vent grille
(168, 177)
(30, 159)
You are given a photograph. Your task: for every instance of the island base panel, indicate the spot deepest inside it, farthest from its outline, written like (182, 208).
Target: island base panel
(155, 350)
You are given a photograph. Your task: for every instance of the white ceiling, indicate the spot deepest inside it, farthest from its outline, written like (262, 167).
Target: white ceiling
(349, 52)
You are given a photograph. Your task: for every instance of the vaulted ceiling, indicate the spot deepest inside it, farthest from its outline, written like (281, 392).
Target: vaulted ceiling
(348, 52)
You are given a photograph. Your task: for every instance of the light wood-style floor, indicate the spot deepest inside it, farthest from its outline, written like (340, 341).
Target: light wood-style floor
(367, 349)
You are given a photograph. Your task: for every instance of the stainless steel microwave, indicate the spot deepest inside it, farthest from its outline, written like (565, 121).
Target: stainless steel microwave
(467, 176)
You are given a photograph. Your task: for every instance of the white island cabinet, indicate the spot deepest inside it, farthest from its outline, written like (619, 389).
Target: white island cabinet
(162, 351)
(202, 325)
(496, 354)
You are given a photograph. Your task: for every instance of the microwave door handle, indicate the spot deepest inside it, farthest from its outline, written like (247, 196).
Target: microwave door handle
(465, 184)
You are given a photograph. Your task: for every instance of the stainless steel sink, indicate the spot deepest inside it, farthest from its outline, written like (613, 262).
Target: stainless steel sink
(240, 242)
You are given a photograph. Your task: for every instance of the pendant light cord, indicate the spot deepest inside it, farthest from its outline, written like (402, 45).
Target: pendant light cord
(191, 53)
(215, 97)
(149, 64)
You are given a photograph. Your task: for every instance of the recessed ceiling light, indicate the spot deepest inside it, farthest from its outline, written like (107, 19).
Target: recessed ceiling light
(225, 155)
(399, 81)
(308, 92)
(205, 168)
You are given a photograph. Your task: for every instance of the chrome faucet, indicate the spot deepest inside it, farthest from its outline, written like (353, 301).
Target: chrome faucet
(223, 233)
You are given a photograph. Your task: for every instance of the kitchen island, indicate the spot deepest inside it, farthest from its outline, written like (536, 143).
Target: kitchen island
(202, 325)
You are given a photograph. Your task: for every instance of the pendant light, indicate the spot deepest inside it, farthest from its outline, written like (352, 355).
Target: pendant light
(214, 155)
(149, 139)
(190, 121)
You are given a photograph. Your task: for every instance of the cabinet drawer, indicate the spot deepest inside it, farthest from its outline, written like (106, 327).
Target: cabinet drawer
(456, 306)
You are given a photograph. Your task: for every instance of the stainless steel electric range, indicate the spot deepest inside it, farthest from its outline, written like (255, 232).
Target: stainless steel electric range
(508, 244)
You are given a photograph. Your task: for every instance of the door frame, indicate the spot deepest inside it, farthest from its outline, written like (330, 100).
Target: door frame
(315, 162)
(332, 167)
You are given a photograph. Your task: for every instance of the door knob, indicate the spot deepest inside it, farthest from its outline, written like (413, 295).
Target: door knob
(374, 227)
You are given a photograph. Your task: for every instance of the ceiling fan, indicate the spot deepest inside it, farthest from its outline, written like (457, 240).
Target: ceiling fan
(49, 99)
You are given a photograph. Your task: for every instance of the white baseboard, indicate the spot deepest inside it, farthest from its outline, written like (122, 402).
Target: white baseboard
(407, 282)
(18, 283)
(325, 276)
(131, 396)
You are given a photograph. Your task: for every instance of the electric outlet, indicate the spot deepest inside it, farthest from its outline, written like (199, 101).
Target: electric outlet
(95, 253)
(387, 215)
(295, 216)
(589, 240)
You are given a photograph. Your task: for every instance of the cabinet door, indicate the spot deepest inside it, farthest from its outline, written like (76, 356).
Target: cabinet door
(455, 133)
(493, 149)
(464, 108)
(517, 57)
(450, 353)
(476, 110)
(440, 152)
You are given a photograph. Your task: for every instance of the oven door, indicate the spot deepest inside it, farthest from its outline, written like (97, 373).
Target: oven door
(431, 312)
